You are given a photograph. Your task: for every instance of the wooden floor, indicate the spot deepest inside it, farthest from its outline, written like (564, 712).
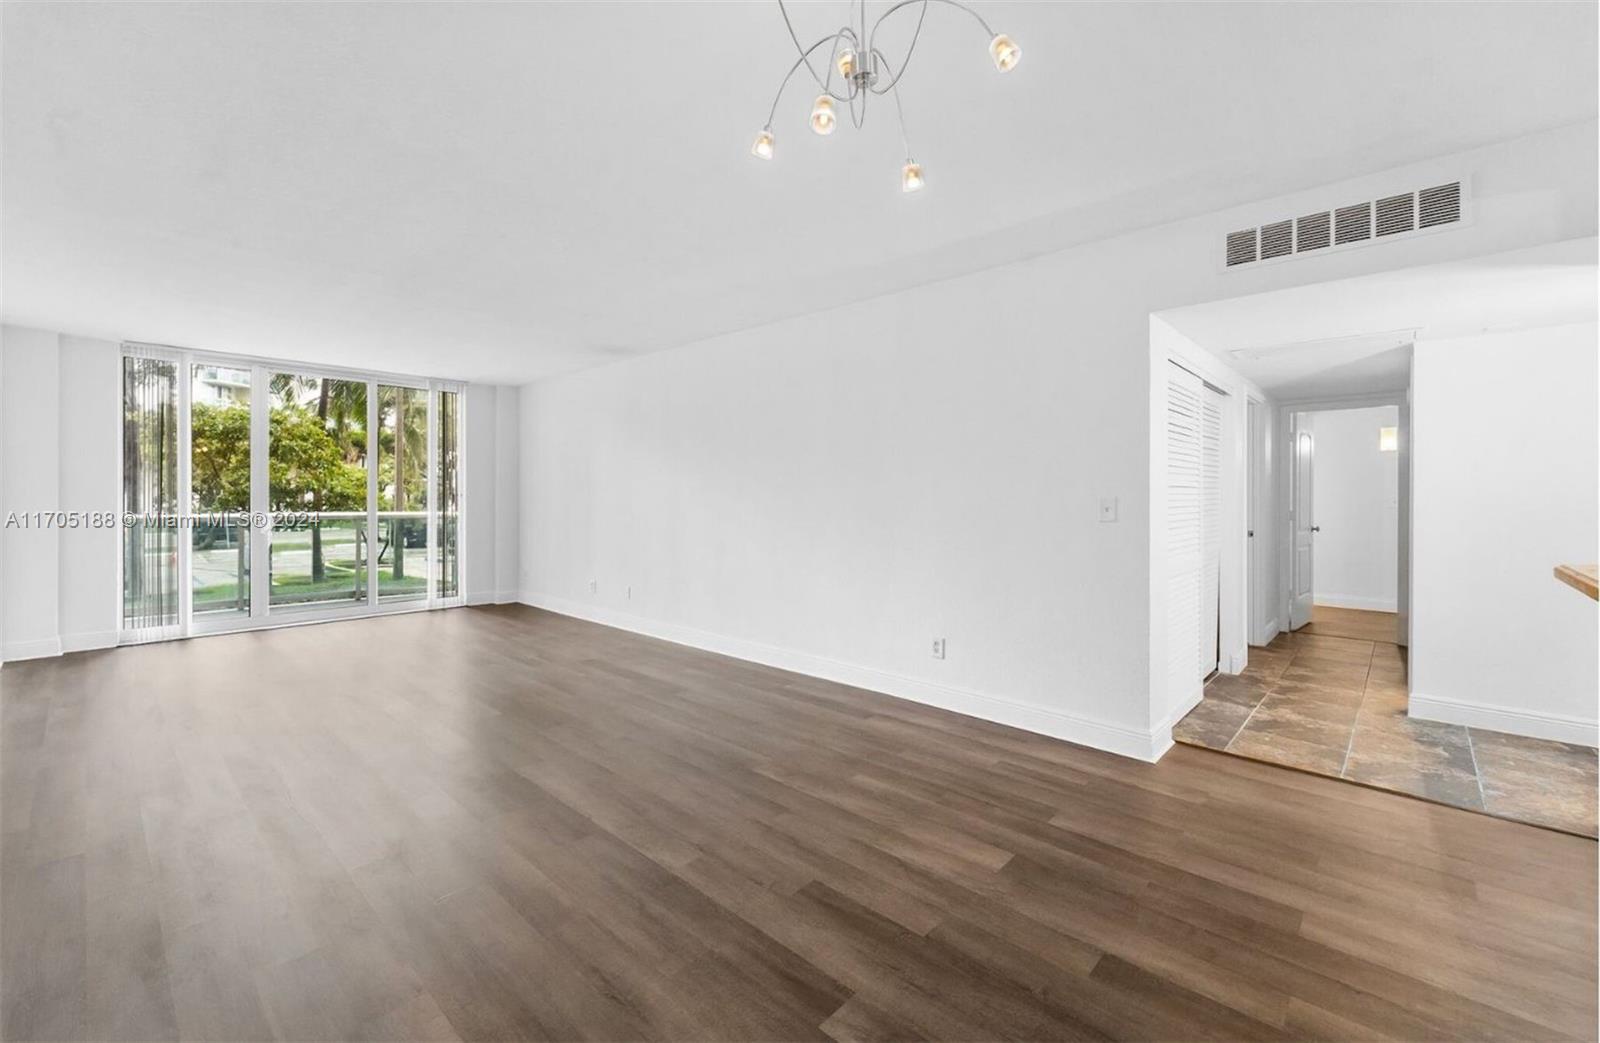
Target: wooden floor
(506, 824)
(1332, 699)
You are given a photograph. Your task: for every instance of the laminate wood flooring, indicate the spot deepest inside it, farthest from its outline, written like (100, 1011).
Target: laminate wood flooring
(506, 824)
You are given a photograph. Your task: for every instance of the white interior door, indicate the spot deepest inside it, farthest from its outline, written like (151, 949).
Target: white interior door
(1302, 523)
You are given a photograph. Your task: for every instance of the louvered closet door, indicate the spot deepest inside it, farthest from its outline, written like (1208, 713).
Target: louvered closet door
(1210, 524)
(1185, 398)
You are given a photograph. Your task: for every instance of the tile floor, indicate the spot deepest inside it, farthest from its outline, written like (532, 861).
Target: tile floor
(1331, 699)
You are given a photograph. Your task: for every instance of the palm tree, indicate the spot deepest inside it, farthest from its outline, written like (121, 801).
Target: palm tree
(404, 412)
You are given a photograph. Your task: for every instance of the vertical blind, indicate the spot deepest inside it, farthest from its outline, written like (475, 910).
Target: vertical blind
(448, 508)
(149, 496)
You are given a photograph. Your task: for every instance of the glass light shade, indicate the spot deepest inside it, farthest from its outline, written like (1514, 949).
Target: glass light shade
(911, 177)
(1005, 52)
(1388, 440)
(846, 63)
(762, 149)
(822, 118)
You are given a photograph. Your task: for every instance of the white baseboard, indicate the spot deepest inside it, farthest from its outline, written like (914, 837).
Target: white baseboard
(43, 648)
(88, 640)
(1268, 632)
(493, 597)
(1357, 601)
(1086, 731)
(1505, 719)
(1162, 735)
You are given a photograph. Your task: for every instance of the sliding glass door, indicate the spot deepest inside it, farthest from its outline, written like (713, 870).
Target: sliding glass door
(317, 467)
(402, 493)
(305, 493)
(219, 489)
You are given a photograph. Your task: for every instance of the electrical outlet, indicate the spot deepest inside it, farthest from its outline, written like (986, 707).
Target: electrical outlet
(1108, 508)
(938, 648)
(594, 586)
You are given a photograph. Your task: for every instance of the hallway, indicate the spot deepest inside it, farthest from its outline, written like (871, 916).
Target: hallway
(1331, 699)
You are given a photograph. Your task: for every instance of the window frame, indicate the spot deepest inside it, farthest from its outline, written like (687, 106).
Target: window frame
(262, 614)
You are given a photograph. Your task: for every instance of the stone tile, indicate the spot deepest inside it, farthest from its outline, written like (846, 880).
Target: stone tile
(1284, 642)
(1245, 691)
(1267, 664)
(1338, 705)
(1538, 780)
(1422, 758)
(1385, 700)
(1337, 648)
(1522, 754)
(1327, 693)
(1291, 706)
(1213, 723)
(1341, 675)
(1387, 673)
(1383, 652)
(1278, 749)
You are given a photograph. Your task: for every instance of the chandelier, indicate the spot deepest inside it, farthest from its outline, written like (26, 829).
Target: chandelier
(856, 69)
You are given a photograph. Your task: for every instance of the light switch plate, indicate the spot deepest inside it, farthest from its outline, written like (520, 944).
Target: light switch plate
(1108, 508)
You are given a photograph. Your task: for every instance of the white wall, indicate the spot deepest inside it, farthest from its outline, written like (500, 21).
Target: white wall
(60, 438)
(30, 441)
(1504, 485)
(59, 409)
(832, 492)
(492, 494)
(1355, 494)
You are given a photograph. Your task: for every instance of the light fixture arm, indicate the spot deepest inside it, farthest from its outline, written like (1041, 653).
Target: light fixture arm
(905, 143)
(804, 54)
(872, 36)
(911, 48)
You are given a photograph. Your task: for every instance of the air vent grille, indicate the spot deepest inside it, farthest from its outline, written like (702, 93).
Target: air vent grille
(1277, 239)
(1241, 247)
(1312, 232)
(1397, 214)
(1353, 225)
(1440, 205)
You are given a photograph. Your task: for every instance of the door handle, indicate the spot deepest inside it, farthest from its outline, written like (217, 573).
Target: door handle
(1316, 528)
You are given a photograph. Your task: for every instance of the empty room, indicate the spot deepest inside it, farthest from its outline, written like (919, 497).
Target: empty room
(799, 520)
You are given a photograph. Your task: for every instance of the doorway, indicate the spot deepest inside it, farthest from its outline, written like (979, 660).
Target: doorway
(1345, 519)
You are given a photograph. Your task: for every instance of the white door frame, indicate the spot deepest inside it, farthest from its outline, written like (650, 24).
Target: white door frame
(1167, 346)
(1260, 475)
(1285, 486)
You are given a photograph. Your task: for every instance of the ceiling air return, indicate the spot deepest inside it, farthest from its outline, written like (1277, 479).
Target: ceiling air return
(1357, 224)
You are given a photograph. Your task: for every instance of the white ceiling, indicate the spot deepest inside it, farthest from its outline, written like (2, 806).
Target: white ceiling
(499, 191)
(1354, 336)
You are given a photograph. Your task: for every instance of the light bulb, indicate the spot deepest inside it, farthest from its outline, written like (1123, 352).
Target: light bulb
(847, 63)
(911, 177)
(1005, 53)
(822, 118)
(762, 149)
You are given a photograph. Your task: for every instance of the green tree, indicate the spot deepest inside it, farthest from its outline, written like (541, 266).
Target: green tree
(306, 467)
(342, 412)
(221, 477)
